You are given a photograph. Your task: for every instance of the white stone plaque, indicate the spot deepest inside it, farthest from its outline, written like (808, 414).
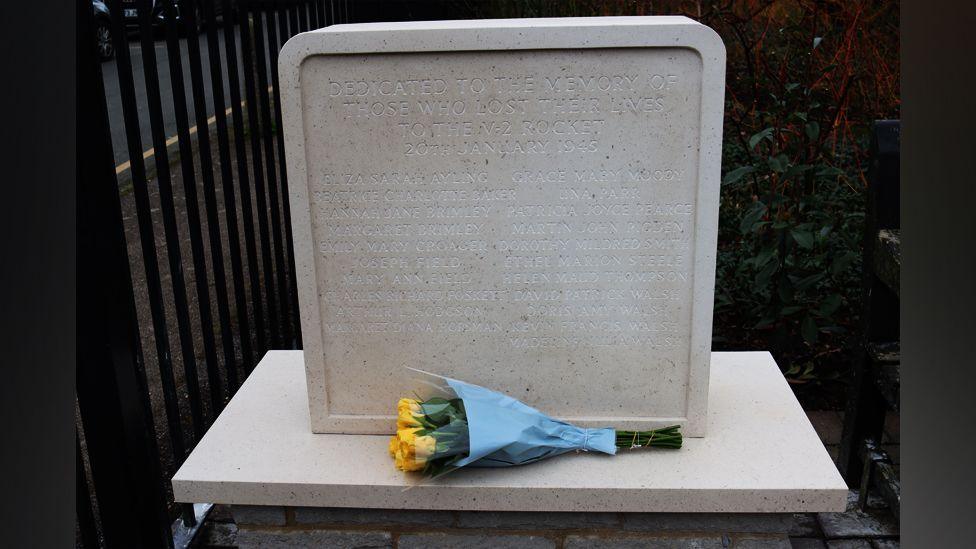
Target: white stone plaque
(529, 205)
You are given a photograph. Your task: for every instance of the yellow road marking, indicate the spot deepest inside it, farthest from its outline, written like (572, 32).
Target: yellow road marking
(150, 152)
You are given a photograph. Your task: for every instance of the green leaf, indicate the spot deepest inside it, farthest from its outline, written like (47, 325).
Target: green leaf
(830, 305)
(842, 263)
(762, 279)
(829, 171)
(775, 199)
(764, 256)
(785, 290)
(806, 282)
(764, 322)
(779, 163)
(813, 130)
(786, 311)
(803, 238)
(752, 216)
(755, 139)
(798, 169)
(737, 174)
(808, 329)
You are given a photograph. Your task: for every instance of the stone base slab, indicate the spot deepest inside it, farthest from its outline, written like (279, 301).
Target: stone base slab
(761, 455)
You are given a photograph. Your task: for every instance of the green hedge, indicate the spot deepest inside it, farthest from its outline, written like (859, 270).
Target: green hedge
(805, 80)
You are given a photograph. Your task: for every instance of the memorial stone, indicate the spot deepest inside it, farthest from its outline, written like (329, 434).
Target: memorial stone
(529, 205)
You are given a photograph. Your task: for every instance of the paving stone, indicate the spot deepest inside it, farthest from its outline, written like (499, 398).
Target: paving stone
(260, 515)
(536, 521)
(848, 544)
(856, 523)
(805, 526)
(875, 501)
(452, 541)
(643, 542)
(749, 523)
(762, 543)
(264, 539)
(807, 543)
(886, 543)
(216, 534)
(220, 513)
(327, 515)
(828, 424)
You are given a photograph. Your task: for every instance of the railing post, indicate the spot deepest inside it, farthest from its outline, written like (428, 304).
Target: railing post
(111, 387)
(864, 413)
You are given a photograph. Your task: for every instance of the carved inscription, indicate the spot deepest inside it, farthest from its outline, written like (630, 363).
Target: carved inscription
(492, 213)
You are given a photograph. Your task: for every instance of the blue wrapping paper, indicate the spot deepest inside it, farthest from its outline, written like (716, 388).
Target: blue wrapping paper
(503, 431)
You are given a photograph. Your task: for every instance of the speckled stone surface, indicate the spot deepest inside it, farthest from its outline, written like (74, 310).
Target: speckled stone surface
(761, 456)
(526, 203)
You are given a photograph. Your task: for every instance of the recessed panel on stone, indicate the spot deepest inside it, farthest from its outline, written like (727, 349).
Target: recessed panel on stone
(528, 205)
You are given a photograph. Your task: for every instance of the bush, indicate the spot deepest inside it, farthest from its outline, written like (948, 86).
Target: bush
(805, 80)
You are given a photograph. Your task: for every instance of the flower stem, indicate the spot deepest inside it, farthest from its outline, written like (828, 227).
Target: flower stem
(668, 437)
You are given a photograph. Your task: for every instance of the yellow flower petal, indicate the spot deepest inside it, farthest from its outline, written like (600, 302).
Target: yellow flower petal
(407, 420)
(406, 436)
(398, 460)
(415, 450)
(424, 447)
(408, 405)
(412, 465)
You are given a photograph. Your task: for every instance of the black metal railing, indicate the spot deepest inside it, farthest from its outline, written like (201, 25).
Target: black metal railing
(185, 259)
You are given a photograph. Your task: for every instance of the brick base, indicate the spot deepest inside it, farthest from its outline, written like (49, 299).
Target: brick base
(260, 526)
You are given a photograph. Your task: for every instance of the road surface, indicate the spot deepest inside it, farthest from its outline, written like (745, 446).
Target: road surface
(114, 100)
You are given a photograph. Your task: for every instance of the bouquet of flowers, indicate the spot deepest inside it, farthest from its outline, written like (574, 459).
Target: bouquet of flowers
(472, 426)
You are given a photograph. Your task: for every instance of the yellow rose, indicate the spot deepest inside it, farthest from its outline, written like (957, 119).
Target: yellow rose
(398, 459)
(403, 438)
(407, 420)
(407, 435)
(424, 447)
(408, 405)
(407, 412)
(415, 451)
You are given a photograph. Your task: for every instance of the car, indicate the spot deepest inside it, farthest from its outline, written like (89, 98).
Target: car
(103, 31)
(131, 15)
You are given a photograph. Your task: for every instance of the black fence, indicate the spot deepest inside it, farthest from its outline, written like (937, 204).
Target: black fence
(185, 255)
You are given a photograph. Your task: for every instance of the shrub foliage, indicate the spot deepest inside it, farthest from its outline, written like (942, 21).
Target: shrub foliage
(805, 79)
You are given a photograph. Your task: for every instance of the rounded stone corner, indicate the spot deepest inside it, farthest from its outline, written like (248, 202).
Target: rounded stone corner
(708, 44)
(293, 53)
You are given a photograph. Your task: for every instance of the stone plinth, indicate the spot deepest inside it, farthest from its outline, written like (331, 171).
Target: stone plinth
(762, 455)
(525, 204)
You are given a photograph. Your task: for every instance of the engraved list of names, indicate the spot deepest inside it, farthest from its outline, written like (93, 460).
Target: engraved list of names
(519, 219)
